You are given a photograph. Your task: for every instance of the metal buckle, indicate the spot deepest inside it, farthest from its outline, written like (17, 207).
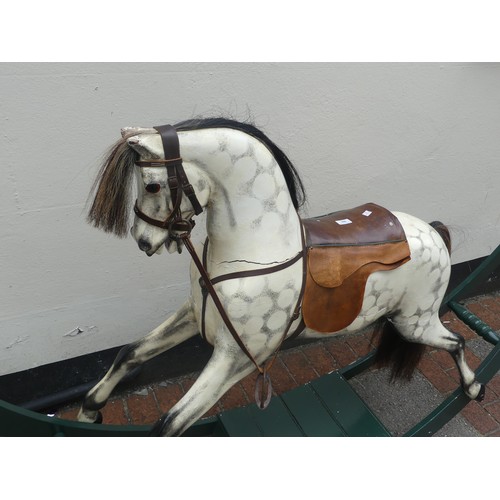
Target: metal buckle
(184, 226)
(173, 182)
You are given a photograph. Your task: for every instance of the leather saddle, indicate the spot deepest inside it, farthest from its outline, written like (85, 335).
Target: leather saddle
(343, 249)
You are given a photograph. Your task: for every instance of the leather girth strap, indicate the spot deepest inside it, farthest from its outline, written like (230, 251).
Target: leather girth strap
(344, 248)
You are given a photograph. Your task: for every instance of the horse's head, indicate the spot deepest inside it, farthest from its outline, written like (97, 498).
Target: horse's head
(161, 206)
(169, 191)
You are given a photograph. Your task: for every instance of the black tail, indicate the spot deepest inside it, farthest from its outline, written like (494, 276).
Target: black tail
(395, 352)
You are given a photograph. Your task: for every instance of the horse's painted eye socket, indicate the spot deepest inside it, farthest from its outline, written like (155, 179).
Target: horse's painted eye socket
(153, 188)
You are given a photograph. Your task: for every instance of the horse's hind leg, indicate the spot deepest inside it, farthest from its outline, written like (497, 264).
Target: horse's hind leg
(176, 329)
(432, 332)
(471, 386)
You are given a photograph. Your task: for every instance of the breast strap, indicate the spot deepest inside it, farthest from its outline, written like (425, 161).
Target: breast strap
(238, 275)
(263, 386)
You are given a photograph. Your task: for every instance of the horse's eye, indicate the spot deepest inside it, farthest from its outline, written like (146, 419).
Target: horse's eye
(153, 188)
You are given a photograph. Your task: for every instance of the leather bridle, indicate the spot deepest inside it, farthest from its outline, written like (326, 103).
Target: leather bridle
(178, 185)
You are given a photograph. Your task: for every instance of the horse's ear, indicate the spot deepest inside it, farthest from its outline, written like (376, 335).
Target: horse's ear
(147, 145)
(134, 142)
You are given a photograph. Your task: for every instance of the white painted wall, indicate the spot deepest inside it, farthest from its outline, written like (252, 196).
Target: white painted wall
(420, 138)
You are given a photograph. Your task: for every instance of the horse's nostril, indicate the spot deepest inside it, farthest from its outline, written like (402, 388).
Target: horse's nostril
(144, 245)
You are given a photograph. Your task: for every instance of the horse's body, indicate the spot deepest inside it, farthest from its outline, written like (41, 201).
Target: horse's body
(252, 223)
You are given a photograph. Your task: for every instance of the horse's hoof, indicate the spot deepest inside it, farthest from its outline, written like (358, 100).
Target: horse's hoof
(481, 394)
(90, 417)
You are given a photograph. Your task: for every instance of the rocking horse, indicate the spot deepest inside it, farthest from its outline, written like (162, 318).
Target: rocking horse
(263, 274)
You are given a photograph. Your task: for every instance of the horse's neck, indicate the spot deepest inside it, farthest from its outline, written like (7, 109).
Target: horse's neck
(248, 232)
(250, 216)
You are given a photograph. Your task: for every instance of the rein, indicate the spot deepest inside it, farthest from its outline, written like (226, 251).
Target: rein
(178, 184)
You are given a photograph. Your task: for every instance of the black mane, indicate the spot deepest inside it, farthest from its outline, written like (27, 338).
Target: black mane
(293, 181)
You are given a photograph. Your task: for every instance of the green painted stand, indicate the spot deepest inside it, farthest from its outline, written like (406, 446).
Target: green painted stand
(327, 406)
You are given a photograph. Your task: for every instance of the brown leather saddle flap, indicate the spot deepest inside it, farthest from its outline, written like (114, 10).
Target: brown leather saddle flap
(329, 267)
(344, 248)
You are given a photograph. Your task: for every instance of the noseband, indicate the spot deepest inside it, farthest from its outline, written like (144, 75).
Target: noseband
(177, 182)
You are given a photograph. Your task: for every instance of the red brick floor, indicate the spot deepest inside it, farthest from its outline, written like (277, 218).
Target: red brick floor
(299, 365)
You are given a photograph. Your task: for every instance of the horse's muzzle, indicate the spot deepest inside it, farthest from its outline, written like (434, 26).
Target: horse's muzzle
(144, 245)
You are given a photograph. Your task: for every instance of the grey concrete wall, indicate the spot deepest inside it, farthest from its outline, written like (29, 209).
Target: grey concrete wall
(420, 138)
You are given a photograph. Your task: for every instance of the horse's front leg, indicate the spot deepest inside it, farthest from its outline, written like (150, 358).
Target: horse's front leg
(227, 366)
(176, 329)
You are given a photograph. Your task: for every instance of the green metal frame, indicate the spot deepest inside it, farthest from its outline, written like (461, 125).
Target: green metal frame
(327, 406)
